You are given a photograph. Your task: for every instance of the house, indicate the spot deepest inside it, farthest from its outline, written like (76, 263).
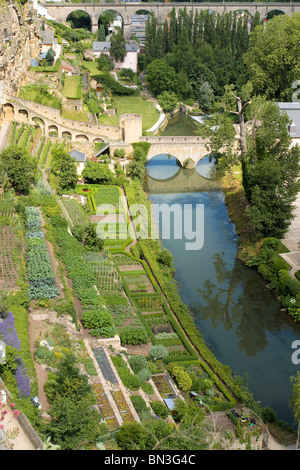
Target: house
(293, 111)
(50, 42)
(80, 159)
(130, 60)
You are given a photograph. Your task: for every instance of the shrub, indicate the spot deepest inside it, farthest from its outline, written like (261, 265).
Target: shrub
(181, 377)
(139, 404)
(132, 335)
(147, 388)
(134, 437)
(158, 352)
(138, 362)
(144, 375)
(160, 409)
(97, 319)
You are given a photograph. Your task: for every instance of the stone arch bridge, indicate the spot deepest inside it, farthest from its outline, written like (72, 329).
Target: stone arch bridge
(188, 149)
(60, 11)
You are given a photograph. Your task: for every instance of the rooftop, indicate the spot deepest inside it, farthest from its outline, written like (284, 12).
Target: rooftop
(47, 37)
(78, 156)
(104, 46)
(293, 111)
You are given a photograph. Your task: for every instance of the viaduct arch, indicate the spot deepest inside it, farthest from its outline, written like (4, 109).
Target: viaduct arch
(60, 11)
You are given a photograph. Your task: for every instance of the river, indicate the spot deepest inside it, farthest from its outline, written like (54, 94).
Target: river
(239, 318)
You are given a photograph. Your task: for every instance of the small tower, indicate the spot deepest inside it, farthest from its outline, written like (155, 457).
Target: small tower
(131, 127)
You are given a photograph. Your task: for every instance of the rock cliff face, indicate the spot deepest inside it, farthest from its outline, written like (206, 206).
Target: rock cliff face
(19, 41)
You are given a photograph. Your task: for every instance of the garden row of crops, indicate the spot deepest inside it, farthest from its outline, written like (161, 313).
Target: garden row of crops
(105, 407)
(8, 268)
(6, 211)
(39, 271)
(75, 212)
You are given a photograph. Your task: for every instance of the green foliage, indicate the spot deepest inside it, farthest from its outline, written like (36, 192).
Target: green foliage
(19, 166)
(112, 84)
(181, 377)
(158, 352)
(134, 437)
(98, 173)
(137, 362)
(132, 335)
(96, 319)
(167, 100)
(160, 409)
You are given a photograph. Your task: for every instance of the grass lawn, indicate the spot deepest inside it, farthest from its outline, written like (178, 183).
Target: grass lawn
(132, 104)
(75, 115)
(72, 87)
(93, 67)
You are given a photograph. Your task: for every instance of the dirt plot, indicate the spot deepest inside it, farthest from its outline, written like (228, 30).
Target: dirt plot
(8, 268)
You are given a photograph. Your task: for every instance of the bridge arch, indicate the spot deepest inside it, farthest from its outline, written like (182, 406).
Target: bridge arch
(273, 13)
(85, 21)
(98, 140)
(118, 19)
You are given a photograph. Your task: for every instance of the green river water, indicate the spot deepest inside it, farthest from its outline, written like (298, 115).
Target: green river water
(239, 318)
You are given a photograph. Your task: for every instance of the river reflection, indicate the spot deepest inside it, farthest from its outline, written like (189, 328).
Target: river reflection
(239, 318)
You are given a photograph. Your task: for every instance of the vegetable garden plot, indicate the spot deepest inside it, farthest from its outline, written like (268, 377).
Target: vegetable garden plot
(120, 400)
(76, 212)
(6, 212)
(109, 281)
(138, 282)
(9, 271)
(163, 386)
(105, 407)
(39, 271)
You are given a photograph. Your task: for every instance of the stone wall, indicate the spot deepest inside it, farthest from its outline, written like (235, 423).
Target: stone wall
(19, 41)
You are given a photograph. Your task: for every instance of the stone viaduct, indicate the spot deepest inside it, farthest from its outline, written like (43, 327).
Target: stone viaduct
(188, 150)
(61, 11)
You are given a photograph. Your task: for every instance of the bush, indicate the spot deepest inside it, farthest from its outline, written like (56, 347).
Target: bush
(134, 437)
(158, 352)
(144, 375)
(139, 404)
(160, 409)
(181, 377)
(96, 319)
(132, 335)
(138, 362)
(147, 388)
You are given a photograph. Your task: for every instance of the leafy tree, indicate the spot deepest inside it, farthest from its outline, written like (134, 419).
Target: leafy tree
(167, 100)
(271, 172)
(105, 64)
(101, 33)
(205, 96)
(50, 56)
(73, 424)
(127, 73)
(160, 409)
(87, 235)
(64, 169)
(97, 173)
(273, 58)
(134, 437)
(118, 46)
(19, 168)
